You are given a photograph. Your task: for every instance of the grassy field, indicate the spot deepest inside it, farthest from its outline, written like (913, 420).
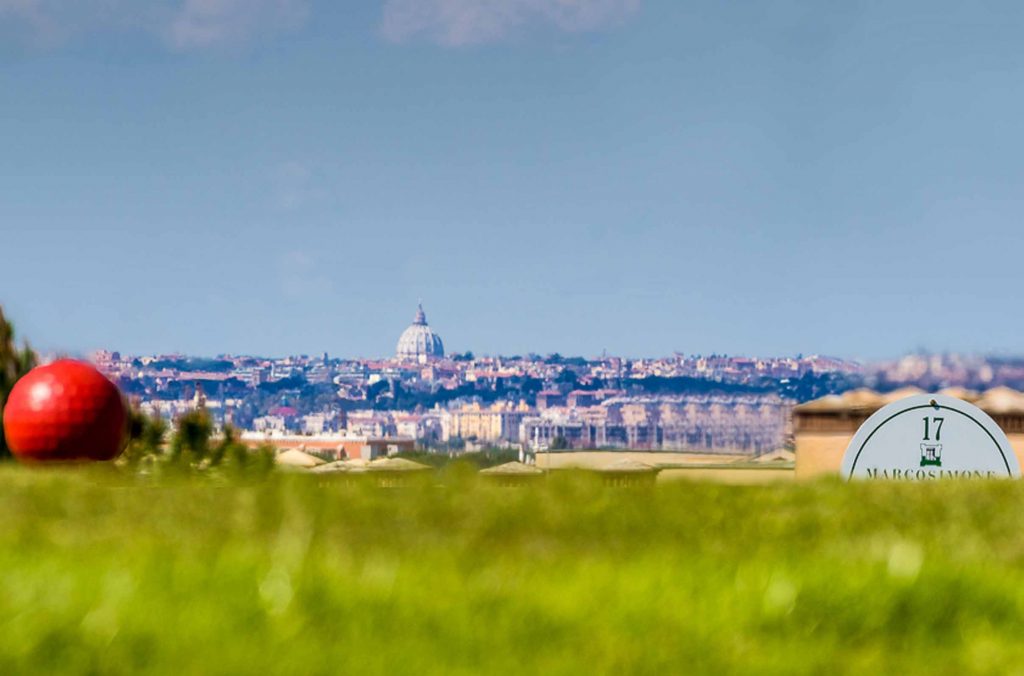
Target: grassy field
(100, 573)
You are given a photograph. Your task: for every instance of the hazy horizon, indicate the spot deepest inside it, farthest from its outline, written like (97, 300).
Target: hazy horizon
(85, 354)
(644, 177)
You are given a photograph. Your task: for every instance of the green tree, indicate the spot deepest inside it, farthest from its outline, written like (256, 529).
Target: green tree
(226, 447)
(191, 442)
(233, 457)
(14, 363)
(147, 437)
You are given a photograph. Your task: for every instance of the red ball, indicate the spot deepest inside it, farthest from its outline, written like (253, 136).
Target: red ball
(66, 410)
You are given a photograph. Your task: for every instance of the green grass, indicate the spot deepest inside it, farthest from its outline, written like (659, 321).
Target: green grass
(102, 574)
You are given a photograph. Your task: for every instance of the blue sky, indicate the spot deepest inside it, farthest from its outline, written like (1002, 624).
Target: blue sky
(286, 176)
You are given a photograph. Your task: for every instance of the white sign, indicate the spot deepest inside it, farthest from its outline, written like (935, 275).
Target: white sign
(929, 436)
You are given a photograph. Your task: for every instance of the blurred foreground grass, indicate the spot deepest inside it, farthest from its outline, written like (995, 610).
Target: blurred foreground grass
(102, 574)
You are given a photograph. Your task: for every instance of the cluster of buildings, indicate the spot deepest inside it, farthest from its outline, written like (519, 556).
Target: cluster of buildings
(753, 424)
(447, 401)
(936, 371)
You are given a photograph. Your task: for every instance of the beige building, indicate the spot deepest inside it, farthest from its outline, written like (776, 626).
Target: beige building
(747, 424)
(335, 446)
(492, 424)
(824, 427)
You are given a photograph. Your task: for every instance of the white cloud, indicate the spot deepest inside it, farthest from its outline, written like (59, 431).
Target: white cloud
(180, 24)
(35, 21)
(468, 22)
(205, 23)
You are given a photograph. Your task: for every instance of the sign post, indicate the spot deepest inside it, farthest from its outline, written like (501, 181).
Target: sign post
(929, 436)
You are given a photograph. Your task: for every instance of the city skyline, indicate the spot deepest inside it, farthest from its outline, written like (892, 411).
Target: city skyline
(384, 354)
(714, 403)
(419, 341)
(641, 177)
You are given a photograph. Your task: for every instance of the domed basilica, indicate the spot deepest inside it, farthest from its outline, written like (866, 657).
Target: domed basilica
(419, 341)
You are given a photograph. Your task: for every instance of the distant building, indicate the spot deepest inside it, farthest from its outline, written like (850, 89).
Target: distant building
(333, 446)
(318, 423)
(718, 423)
(269, 423)
(549, 399)
(419, 342)
(584, 398)
(500, 422)
(424, 426)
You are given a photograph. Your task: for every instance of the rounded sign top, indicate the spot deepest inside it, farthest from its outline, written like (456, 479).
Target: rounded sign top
(929, 436)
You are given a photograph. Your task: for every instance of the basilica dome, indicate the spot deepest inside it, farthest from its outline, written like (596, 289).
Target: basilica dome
(419, 341)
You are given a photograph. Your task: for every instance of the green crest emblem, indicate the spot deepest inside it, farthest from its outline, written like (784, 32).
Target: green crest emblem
(931, 455)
